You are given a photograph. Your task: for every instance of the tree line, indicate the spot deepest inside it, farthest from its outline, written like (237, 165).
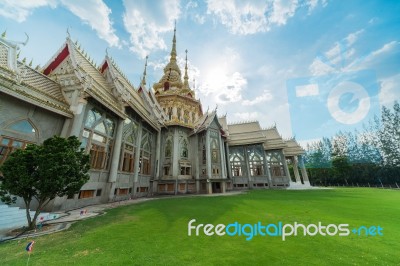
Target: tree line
(370, 157)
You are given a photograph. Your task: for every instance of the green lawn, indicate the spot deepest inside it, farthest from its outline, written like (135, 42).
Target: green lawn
(155, 232)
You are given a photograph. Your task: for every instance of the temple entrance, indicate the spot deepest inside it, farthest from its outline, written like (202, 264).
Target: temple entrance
(216, 187)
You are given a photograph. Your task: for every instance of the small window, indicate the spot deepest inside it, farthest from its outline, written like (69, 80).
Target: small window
(123, 191)
(98, 193)
(23, 126)
(84, 194)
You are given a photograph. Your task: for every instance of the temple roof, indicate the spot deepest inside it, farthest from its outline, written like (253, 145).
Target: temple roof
(31, 86)
(205, 121)
(273, 139)
(130, 96)
(245, 133)
(293, 148)
(171, 81)
(87, 73)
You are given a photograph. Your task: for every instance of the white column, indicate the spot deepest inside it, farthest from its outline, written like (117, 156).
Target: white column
(229, 170)
(303, 171)
(158, 155)
(296, 169)
(65, 128)
(112, 178)
(286, 168)
(267, 170)
(197, 156)
(208, 155)
(222, 157)
(175, 154)
(137, 157)
(208, 163)
(246, 158)
(79, 113)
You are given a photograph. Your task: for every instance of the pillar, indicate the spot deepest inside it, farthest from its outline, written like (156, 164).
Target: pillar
(175, 154)
(296, 170)
(79, 113)
(197, 162)
(112, 178)
(158, 155)
(208, 156)
(267, 170)
(286, 168)
(246, 159)
(137, 158)
(227, 158)
(65, 128)
(303, 171)
(222, 156)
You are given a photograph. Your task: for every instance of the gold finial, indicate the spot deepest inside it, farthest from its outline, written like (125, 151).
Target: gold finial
(144, 73)
(24, 60)
(3, 35)
(68, 35)
(18, 54)
(173, 51)
(186, 77)
(30, 63)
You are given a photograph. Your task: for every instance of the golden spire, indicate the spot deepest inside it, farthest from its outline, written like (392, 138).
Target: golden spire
(173, 50)
(186, 77)
(144, 73)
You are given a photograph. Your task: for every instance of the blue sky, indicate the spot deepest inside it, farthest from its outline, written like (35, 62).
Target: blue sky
(243, 55)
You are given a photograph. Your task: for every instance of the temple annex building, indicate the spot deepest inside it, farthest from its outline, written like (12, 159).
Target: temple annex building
(142, 141)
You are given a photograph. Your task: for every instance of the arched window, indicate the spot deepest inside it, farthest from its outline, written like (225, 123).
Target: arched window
(23, 132)
(145, 152)
(129, 137)
(168, 148)
(256, 161)
(275, 163)
(23, 126)
(184, 149)
(237, 161)
(97, 137)
(179, 113)
(214, 151)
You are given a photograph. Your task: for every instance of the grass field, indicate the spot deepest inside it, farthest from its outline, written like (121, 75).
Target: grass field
(155, 232)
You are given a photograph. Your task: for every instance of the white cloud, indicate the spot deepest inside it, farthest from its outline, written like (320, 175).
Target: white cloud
(96, 14)
(20, 10)
(338, 57)
(307, 90)
(387, 47)
(264, 97)
(247, 115)
(240, 18)
(282, 11)
(224, 88)
(353, 37)
(222, 83)
(312, 4)
(390, 90)
(146, 21)
(249, 17)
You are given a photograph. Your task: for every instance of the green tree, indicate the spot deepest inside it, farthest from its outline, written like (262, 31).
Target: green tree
(42, 172)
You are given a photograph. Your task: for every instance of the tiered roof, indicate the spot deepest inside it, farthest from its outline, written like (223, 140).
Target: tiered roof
(245, 133)
(32, 86)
